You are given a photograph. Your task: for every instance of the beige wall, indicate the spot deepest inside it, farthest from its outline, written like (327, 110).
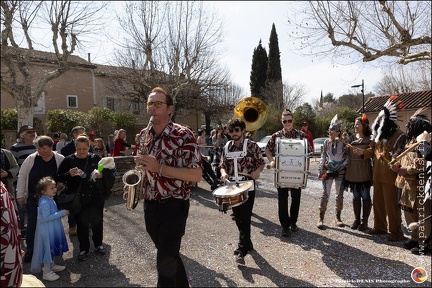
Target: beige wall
(91, 92)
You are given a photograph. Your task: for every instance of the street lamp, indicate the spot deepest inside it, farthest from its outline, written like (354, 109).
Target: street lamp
(362, 90)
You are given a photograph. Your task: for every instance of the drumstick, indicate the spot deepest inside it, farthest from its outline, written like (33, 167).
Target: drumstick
(244, 174)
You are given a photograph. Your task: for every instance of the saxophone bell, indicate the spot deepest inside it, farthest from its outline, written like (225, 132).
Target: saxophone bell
(133, 179)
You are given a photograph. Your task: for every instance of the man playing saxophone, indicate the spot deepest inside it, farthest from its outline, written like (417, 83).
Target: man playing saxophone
(173, 162)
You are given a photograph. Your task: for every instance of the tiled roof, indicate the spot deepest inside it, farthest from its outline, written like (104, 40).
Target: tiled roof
(106, 70)
(412, 100)
(44, 57)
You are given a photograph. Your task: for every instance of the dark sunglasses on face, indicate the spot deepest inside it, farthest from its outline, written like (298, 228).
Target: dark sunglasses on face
(231, 130)
(157, 104)
(287, 121)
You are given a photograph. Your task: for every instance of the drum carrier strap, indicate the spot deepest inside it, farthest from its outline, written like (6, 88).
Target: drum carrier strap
(242, 154)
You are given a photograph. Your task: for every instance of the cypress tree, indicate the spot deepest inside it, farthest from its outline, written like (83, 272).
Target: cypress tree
(274, 70)
(259, 70)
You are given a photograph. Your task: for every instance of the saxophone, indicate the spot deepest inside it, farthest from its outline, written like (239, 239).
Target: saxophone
(132, 179)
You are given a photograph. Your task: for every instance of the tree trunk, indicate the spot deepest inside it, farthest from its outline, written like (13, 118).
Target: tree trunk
(25, 113)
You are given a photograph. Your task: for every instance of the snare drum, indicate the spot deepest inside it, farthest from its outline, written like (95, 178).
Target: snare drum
(232, 195)
(292, 163)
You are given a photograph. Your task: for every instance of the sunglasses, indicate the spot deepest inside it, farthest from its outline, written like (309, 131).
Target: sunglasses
(235, 129)
(157, 104)
(287, 121)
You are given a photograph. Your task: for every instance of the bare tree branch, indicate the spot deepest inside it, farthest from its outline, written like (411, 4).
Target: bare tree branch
(369, 29)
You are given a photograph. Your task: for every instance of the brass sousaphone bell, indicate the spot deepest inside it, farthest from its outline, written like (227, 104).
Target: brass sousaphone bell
(253, 112)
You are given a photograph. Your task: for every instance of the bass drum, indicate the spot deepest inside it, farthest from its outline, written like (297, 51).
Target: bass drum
(292, 163)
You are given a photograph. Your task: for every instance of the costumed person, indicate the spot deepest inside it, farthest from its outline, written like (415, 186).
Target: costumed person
(332, 166)
(50, 238)
(412, 200)
(387, 142)
(358, 177)
(287, 219)
(251, 166)
(171, 163)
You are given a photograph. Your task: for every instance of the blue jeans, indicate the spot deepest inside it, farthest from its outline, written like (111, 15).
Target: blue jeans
(362, 192)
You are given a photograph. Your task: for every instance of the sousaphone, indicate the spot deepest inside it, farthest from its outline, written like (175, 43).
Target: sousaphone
(253, 112)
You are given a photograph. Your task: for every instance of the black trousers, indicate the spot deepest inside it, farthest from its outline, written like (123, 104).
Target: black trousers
(288, 219)
(208, 173)
(243, 215)
(92, 213)
(166, 223)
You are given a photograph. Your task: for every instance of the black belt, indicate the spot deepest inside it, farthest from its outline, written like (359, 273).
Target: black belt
(162, 201)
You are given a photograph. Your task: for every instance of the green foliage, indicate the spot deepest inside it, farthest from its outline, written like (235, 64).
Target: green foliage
(258, 72)
(59, 120)
(102, 121)
(9, 119)
(273, 123)
(274, 70)
(125, 121)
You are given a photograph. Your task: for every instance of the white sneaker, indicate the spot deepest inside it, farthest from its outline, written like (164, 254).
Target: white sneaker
(56, 268)
(51, 276)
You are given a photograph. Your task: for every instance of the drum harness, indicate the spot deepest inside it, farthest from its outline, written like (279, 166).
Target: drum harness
(236, 155)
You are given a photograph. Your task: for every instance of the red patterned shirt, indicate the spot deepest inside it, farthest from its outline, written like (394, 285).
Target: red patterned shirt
(248, 164)
(293, 134)
(175, 147)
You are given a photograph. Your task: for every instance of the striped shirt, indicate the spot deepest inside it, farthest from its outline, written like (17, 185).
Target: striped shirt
(21, 150)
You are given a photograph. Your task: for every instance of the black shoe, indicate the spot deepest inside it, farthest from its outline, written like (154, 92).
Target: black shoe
(28, 257)
(410, 244)
(101, 250)
(82, 256)
(286, 233)
(240, 259)
(294, 228)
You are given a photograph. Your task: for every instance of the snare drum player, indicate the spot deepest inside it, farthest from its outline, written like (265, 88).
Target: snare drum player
(288, 220)
(173, 162)
(252, 165)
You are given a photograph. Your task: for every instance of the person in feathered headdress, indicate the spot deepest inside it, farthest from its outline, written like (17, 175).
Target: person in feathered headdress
(410, 180)
(388, 140)
(331, 168)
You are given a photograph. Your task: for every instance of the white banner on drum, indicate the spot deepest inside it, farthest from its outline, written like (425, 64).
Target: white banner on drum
(292, 163)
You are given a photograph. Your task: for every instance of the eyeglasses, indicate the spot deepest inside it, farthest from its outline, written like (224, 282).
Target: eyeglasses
(287, 121)
(157, 104)
(30, 132)
(235, 129)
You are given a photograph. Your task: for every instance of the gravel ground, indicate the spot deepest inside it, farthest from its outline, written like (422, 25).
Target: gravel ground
(331, 257)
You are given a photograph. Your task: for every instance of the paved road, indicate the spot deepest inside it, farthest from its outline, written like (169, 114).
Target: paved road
(311, 257)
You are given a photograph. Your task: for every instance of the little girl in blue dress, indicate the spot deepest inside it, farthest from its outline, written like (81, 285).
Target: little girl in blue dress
(50, 239)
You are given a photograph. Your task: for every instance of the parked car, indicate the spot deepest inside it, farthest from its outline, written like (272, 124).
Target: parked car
(318, 144)
(262, 144)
